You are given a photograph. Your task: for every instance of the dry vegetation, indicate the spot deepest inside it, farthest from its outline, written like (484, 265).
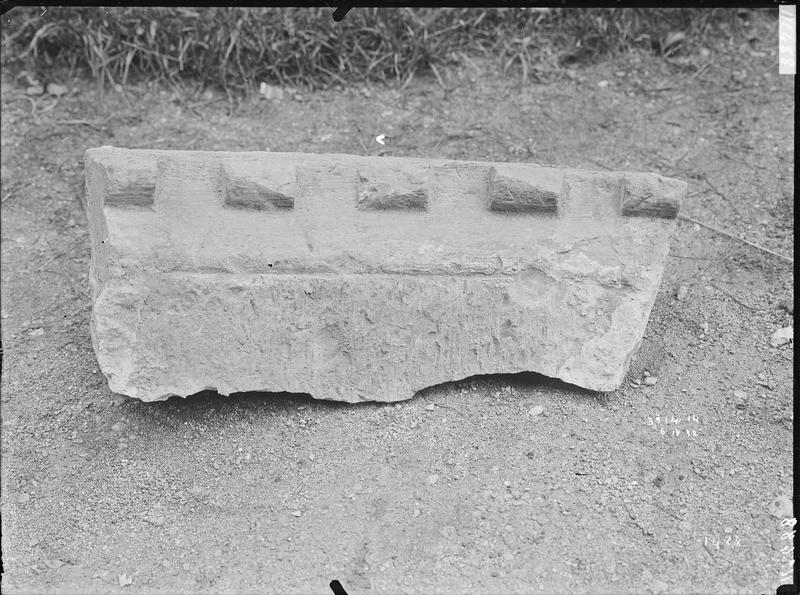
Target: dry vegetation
(235, 48)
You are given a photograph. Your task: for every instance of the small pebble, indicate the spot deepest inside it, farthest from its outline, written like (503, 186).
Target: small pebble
(296, 513)
(432, 479)
(781, 507)
(650, 381)
(602, 84)
(782, 336)
(430, 407)
(538, 410)
(56, 89)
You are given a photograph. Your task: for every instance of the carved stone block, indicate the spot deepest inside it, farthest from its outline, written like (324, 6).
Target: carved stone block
(365, 278)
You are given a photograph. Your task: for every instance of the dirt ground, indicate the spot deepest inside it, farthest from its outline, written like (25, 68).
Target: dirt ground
(282, 493)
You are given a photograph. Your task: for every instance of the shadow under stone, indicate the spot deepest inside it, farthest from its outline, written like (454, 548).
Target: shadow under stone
(210, 402)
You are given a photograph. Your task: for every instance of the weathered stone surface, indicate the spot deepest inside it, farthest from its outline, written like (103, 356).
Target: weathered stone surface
(382, 187)
(247, 189)
(513, 188)
(362, 278)
(130, 183)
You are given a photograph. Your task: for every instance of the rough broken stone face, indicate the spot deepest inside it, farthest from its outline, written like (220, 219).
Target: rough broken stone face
(365, 278)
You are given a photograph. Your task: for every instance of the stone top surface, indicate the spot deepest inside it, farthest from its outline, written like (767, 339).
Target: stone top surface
(262, 212)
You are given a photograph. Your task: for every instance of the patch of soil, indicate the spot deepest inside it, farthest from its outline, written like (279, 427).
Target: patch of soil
(663, 486)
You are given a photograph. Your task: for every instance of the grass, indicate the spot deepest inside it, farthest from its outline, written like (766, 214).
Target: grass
(237, 48)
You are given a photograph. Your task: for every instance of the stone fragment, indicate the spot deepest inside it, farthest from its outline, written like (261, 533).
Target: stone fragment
(782, 336)
(536, 410)
(781, 507)
(363, 278)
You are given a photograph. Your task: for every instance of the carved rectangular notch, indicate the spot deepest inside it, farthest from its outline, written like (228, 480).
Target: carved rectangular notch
(390, 189)
(517, 196)
(248, 186)
(648, 195)
(130, 182)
